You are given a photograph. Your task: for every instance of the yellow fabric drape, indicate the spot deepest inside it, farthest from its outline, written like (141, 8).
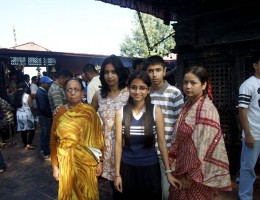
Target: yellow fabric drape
(72, 132)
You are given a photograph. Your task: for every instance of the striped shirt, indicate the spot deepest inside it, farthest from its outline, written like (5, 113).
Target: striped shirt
(171, 102)
(249, 97)
(56, 96)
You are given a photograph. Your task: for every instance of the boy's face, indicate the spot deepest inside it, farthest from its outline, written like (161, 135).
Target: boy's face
(156, 74)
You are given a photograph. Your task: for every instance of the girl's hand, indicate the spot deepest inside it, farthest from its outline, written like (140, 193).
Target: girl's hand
(174, 181)
(187, 182)
(56, 110)
(118, 184)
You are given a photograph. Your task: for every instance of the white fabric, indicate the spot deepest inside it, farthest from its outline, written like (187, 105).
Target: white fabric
(137, 117)
(33, 88)
(92, 87)
(25, 118)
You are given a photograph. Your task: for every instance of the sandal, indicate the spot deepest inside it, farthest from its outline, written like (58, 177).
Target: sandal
(30, 147)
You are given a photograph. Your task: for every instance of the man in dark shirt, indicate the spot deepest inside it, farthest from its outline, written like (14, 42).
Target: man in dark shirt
(45, 115)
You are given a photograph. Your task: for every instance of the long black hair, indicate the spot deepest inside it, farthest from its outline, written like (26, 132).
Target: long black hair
(18, 97)
(120, 71)
(147, 116)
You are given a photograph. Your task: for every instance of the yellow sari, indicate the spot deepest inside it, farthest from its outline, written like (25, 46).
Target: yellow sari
(72, 132)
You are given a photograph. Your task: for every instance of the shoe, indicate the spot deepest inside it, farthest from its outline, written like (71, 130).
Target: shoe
(2, 170)
(30, 147)
(46, 157)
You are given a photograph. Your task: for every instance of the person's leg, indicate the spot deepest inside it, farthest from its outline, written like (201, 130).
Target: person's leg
(5, 133)
(41, 122)
(24, 137)
(105, 188)
(150, 182)
(30, 137)
(247, 174)
(2, 163)
(46, 136)
(116, 195)
(164, 182)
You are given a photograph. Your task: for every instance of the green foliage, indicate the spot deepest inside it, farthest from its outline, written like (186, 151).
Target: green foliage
(135, 45)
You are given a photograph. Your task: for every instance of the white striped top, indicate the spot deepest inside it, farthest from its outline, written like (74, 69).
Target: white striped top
(171, 102)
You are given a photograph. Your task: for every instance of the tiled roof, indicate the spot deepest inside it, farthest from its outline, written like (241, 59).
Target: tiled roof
(30, 46)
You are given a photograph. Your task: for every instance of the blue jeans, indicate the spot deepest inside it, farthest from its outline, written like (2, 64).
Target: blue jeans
(248, 161)
(2, 161)
(45, 124)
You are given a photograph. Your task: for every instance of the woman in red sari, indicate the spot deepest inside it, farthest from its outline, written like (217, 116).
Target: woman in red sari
(198, 153)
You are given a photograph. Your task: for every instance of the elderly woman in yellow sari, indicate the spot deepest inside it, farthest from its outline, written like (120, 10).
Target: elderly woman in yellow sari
(76, 127)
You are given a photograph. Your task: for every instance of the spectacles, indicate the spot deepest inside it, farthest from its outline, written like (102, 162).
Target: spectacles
(70, 90)
(141, 88)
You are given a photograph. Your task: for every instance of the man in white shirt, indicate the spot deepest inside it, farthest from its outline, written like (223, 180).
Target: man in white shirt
(249, 113)
(94, 84)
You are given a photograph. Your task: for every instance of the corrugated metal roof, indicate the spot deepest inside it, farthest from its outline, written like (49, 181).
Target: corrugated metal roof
(162, 9)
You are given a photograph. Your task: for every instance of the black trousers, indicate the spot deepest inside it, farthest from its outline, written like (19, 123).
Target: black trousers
(27, 137)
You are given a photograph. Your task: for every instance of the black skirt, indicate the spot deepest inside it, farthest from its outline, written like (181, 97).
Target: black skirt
(141, 182)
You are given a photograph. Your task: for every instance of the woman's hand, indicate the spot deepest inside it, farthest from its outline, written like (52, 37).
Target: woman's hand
(56, 173)
(99, 169)
(174, 181)
(56, 110)
(118, 183)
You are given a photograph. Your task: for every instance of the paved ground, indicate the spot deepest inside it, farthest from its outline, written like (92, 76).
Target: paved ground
(29, 177)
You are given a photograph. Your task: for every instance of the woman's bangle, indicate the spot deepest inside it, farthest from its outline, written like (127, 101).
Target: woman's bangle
(168, 171)
(117, 176)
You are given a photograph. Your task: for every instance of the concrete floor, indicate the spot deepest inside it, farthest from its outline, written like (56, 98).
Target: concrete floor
(29, 177)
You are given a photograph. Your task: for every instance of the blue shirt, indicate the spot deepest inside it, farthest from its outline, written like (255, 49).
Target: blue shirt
(137, 154)
(43, 104)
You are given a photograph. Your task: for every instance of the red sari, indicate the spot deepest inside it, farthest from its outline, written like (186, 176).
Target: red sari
(199, 153)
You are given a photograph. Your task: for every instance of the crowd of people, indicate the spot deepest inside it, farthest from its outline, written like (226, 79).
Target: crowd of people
(135, 131)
